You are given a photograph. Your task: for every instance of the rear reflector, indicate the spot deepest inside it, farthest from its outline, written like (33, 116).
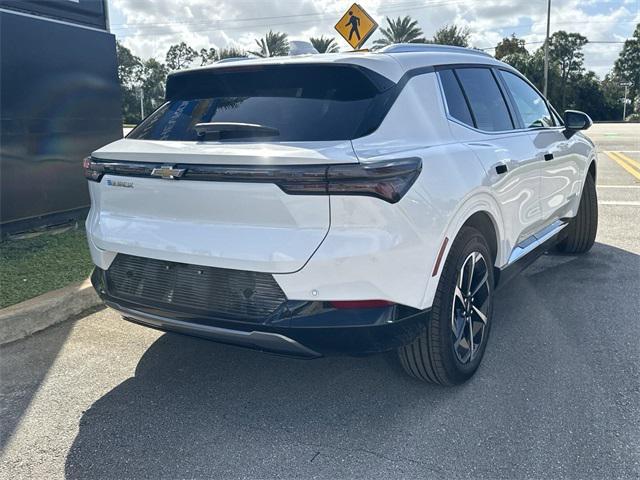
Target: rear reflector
(342, 304)
(388, 180)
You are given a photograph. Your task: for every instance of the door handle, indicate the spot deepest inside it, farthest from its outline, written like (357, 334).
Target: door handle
(548, 156)
(500, 169)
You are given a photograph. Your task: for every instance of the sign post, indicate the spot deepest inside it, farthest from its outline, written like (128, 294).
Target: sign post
(356, 26)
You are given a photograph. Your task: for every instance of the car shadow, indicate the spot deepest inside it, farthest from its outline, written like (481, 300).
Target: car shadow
(199, 409)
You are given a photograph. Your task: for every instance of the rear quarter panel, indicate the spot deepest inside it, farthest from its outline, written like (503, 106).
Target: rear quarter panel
(377, 250)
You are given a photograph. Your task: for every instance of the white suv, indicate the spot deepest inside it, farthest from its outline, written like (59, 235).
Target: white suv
(343, 203)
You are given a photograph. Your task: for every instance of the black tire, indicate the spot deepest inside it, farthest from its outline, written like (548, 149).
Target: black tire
(433, 356)
(580, 234)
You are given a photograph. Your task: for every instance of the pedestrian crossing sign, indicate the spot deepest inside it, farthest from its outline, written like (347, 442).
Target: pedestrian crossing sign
(356, 26)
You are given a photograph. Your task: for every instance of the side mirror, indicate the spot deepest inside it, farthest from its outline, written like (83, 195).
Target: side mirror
(575, 120)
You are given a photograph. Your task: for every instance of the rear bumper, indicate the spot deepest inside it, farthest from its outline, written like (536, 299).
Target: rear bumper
(301, 329)
(252, 339)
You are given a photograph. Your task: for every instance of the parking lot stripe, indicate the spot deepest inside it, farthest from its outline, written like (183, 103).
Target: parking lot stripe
(628, 159)
(620, 161)
(620, 203)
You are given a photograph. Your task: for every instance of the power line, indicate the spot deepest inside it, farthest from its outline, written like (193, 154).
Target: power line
(390, 5)
(585, 45)
(215, 24)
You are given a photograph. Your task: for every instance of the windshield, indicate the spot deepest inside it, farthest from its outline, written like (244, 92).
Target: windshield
(297, 102)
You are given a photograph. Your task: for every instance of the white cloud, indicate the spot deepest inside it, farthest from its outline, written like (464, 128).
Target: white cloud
(149, 27)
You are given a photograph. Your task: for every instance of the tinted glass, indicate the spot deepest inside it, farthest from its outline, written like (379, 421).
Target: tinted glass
(456, 103)
(303, 102)
(487, 103)
(531, 106)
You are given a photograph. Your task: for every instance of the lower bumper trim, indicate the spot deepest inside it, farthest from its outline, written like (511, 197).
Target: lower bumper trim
(266, 341)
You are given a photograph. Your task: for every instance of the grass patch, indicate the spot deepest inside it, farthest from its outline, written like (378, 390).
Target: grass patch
(32, 266)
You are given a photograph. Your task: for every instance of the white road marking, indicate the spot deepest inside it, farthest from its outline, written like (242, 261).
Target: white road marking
(621, 203)
(617, 186)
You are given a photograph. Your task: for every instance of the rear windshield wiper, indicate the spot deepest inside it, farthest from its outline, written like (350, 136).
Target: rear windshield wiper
(240, 129)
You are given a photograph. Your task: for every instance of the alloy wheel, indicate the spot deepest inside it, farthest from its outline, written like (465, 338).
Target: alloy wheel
(470, 307)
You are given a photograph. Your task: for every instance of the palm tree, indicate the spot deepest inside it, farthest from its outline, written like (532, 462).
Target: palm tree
(324, 45)
(400, 30)
(274, 44)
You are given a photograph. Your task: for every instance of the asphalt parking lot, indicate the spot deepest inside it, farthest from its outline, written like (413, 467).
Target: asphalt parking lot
(558, 394)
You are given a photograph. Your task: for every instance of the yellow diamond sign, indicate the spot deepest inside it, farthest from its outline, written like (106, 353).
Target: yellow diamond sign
(356, 26)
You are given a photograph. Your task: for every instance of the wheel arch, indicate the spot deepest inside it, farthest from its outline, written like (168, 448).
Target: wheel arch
(593, 169)
(482, 212)
(482, 221)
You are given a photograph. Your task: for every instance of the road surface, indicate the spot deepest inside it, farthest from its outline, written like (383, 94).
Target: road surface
(557, 396)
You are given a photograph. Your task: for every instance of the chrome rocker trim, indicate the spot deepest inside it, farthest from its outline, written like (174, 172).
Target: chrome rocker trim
(528, 250)
(536, 240)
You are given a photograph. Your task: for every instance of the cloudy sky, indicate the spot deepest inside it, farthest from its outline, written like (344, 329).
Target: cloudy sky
(149, 27)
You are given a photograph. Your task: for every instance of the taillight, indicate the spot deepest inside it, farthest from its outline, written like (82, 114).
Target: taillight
(345, 304)
(388, 180)
(92, 170)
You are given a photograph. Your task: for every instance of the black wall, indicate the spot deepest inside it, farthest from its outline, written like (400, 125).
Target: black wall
(91, 13)
(59, 100)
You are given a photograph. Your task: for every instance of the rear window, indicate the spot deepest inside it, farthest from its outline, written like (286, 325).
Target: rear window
(487, 103)
(302, 102)
(456, 102)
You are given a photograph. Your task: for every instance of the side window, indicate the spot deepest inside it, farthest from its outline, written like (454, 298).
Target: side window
(456, 103)
(487, 103)
(531, 106)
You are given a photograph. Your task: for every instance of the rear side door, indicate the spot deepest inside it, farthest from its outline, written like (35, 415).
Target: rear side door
(480, 116)
(561, 163)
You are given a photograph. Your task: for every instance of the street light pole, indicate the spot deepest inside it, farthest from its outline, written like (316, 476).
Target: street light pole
(546, 49)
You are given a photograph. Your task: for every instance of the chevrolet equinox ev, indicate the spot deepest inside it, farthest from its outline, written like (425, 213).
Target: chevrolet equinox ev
(346, 203)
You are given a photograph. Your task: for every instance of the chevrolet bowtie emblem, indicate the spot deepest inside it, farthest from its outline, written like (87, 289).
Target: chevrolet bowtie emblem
(168, 172)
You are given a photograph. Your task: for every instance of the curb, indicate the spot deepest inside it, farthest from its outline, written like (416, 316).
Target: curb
(25, 318)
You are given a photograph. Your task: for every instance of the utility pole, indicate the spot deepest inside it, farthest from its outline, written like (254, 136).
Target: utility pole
(546, 50)
(141, 104)
(626, 86)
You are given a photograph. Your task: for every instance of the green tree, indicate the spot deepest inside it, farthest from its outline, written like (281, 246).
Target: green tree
(452, 35)
(274, 44)
(324, 45)
(231, 52)
(208, 56)
(401, 30)
(565, 50)
(584, 91)
(129, 76)
(627, 68)
(586, 94)
(129, 66)
(180, 56)
(614, 93)
(154, 76)
(532, 67)
(509, 46)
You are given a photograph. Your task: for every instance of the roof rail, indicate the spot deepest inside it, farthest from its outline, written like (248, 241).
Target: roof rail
(429, 47)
